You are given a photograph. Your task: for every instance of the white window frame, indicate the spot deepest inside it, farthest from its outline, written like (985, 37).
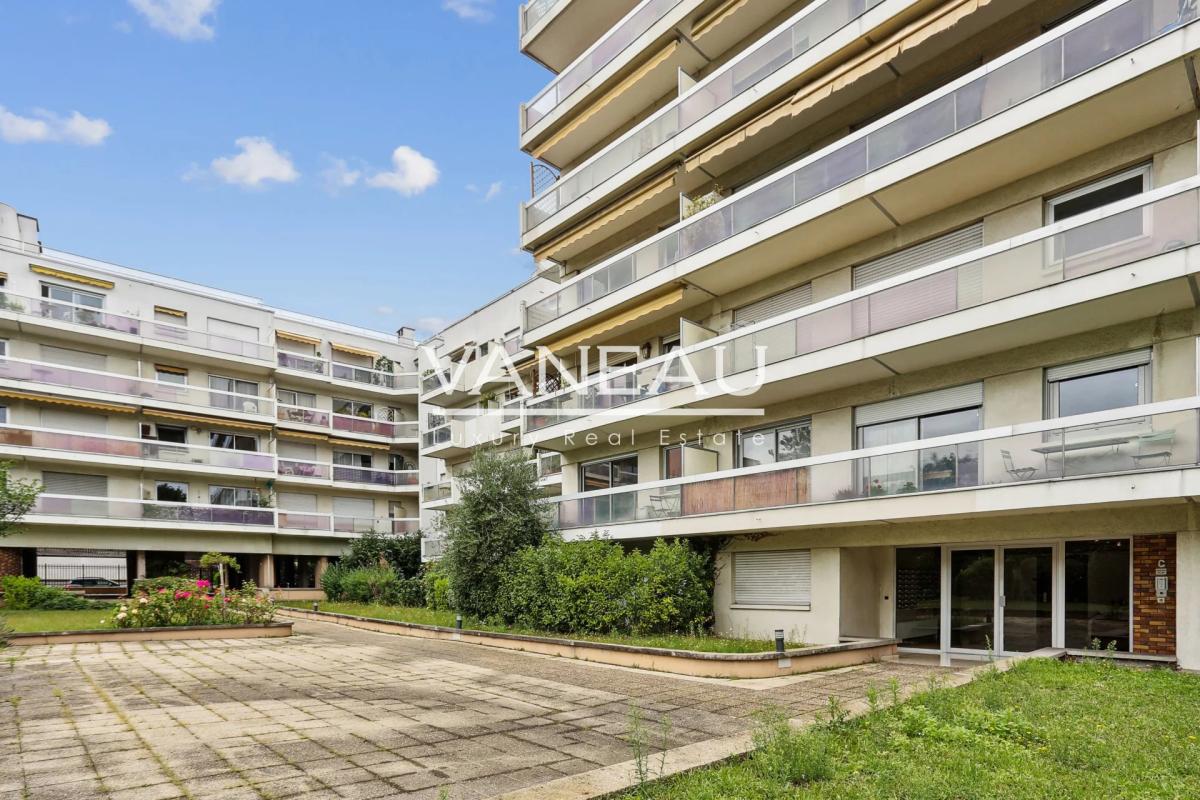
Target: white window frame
(46, 286)
(1145, 170)
(1145, 371)
(296, 395)
(774, 429)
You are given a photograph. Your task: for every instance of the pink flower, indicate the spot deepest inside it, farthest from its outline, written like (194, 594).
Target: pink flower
(203, 584)
(181, 595)
(162, 591)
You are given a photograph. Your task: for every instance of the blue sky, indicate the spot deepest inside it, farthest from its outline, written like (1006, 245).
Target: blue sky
(354, 160)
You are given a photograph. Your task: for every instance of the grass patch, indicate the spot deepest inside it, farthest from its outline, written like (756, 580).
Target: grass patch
(46, 621)
(1045, 729)
(427, 616)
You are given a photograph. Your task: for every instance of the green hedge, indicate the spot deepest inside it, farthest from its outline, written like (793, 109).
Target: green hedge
(374, 585)
(28, 594)
(595, 586)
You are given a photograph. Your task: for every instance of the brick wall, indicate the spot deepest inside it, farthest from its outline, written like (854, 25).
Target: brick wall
(1153, 621)
(10, 561)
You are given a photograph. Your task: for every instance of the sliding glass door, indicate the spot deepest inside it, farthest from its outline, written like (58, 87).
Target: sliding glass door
(1027, 597)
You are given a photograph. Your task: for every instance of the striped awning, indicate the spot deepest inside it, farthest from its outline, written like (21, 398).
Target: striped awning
(296, 337)
(111, 408)
(170, 312)
(354, 351)
(74, 277)
(367, 445)
(623, 318)
(282, 433)
(220, 422)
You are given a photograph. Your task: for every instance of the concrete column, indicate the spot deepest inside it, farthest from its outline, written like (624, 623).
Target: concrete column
(1187, 592)
(266, 571)
(141, 564)
(322, 565)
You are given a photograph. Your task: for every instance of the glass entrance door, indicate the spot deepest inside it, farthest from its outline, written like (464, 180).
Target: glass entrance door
(1027, 599)
(972, 606)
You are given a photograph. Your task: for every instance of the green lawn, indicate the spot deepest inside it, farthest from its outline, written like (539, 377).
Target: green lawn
(1046, 729)
(38, 621)
(426, 616)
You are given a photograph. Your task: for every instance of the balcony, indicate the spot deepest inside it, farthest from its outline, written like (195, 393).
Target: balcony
(796, 215)
(818, 347)
(437, 492)
(343, 423)
(127, 388)
(74, 447)
(293, 521)
(149, 513)
(463, 432)
(449, 386)
(890, 482)
(736, 84)
(95, 319)
(310, 366)
(338, 474)
(555, 32)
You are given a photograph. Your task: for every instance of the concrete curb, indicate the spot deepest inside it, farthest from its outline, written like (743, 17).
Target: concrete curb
(272, 630)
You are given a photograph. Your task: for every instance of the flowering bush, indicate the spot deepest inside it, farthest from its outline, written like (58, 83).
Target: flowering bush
(194, 603)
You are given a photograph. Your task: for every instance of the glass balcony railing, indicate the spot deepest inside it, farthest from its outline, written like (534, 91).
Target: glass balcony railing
(1077, 46)
(549, 465)
(319, 418)
(1115, 236)
(596, 58)
(371, 427)
(437, 491)
(338, 472)
(347, 372)
(150, 329)
(147, 510)
(806, 30)
(139, 449)
(329, 523)
(304, 416)
(436, 380)
(129, 386)
(533, 11)
(1121, 441)
(437, 436)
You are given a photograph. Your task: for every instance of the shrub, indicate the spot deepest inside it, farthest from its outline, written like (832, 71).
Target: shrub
(170, 582)
(332, 580)
(436, 587)
(6, 633)
(400, 552)
(23, 594)
(410, 592)
(595, 586)
(499, 512)
(196, 605)
(378, 585)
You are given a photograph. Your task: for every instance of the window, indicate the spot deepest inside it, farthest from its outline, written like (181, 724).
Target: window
(3, 347)
(782, 578)
(919, 597)
(353, 408)
(397, 462)
(75, 484)
(67, 294)
(233, 441)
(597, 475)
(68, 420)
(669, 344)
(175, 434)
(1116, 381)
(919, 255)
(344, 459)
(396, 510)
(672, 466)
(232, 385)
(773, 306)
(170, 492)
(296, 572)
(74, 358)
(1121, 228)
(169, 374)
(1097, 593)
(924, 416)
(3, 415)
(292, 398)
(778, 443)
(233, 496)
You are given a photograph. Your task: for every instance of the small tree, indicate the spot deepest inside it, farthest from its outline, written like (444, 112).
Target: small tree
(223, 563)
(498, 513)
(17, 497)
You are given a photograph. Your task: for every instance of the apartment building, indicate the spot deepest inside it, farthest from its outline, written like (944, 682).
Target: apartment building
(166, 419)
(902, 300)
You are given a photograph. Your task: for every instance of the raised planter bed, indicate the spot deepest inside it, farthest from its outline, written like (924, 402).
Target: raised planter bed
(272, 631)
(680, 662)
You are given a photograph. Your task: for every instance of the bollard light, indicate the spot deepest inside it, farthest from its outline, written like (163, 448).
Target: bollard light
(458, 622)
(779, 641)
(316, 607)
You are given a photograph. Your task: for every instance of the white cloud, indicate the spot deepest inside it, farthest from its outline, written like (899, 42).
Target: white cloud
(256, 164)
(473, 10)
(413, 173)
(490, 193)
(46, 126)
(338, 175)
(183, 19)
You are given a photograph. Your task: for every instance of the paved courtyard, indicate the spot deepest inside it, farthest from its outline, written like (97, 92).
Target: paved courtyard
(339, 713)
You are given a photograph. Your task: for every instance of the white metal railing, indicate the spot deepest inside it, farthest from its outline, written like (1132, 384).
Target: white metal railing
(311, 521)
(323, 418)
(150, 510)
(403, 381)
(1079, 45)
(139, 449)
(340, 473)
(20, 369)
(1114, 236)
(811, 26)
(615, 42)
(91, 317)
(1148, 437)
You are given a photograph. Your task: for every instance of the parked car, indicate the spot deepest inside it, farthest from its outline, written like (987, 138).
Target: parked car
(96, 587)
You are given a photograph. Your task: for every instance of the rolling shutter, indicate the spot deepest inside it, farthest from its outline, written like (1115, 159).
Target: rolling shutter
(57, 419)
(778, 578)
(296, 450)
(74, 484)
(1097, 365)
(910, 258)
(773, 306)
(233, 330)
(363, 508)
(74, 358)
(952, 399)
(298, 502)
